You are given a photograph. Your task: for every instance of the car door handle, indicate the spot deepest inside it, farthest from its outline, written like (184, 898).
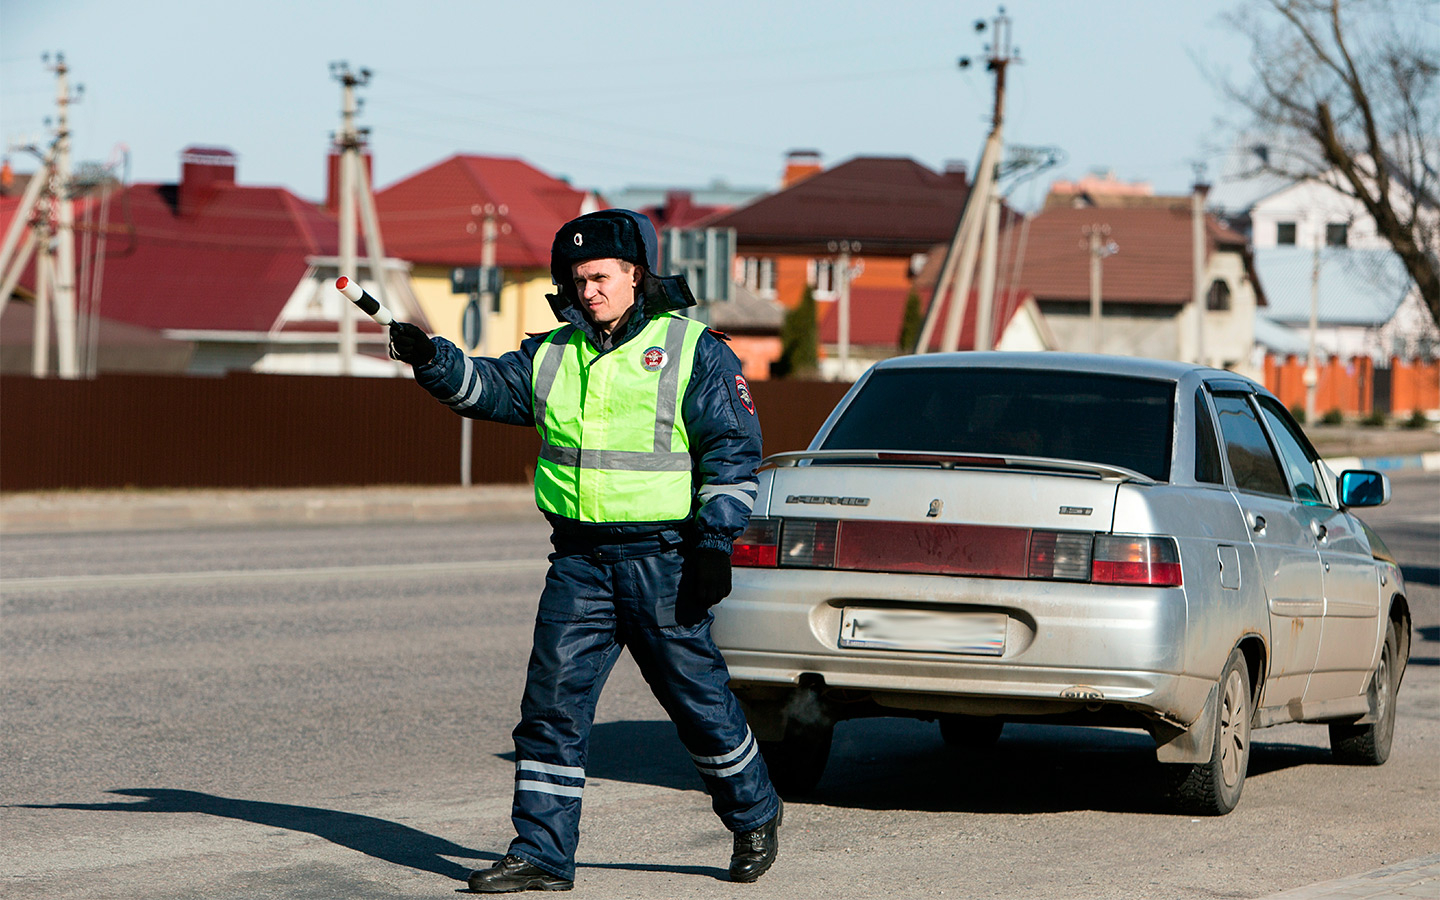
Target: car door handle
(1320, 531)
(1257, 524)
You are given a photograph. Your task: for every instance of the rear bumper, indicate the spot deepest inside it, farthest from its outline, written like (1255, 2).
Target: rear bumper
(1067, 646)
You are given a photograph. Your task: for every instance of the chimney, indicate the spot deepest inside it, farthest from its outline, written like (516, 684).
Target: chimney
(203, 172)
(332, 177)
(957, 169)
(800, 165)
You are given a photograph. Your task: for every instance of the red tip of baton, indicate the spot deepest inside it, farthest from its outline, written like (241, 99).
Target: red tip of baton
(341, 282)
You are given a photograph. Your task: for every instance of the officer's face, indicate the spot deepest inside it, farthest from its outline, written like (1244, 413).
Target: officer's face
(606, 288)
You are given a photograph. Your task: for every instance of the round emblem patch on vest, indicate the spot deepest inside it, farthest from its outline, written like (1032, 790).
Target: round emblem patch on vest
(654, 359)
(743, 390)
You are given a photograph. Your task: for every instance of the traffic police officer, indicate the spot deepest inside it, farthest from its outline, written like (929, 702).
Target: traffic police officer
(649, 445)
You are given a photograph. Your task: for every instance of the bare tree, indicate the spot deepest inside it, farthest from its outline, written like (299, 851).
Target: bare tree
(1351, 91)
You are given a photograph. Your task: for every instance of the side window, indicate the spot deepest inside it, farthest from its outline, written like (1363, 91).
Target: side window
(1207, 448)
(1252, 462)
(1295, 452)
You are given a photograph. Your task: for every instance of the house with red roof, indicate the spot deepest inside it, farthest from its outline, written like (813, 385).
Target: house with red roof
(1146, 281)
(891, 212)
(435, 219)
(242, 274)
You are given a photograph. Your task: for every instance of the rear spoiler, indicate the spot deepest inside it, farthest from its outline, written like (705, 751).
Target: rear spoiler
(959, 461)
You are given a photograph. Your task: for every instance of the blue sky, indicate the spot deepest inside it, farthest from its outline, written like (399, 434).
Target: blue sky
(624, 93)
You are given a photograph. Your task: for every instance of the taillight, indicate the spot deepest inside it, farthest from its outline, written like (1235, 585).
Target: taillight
(759, 545)
(1062, 555)
(809, 543)
(1132, 559)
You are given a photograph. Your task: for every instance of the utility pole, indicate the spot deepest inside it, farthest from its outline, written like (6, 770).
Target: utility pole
(845, 272)
(1098, 247)
(64, 271)
(1197, 242)
(44, 226)
(981, 216)
(482, 303)
(1312, 376)
(356, 201)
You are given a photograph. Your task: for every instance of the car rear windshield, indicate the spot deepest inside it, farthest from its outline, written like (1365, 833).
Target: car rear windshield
(1107, 419)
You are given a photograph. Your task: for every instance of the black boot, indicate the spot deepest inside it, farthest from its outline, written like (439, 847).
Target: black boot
(755, 850)
(515, 874)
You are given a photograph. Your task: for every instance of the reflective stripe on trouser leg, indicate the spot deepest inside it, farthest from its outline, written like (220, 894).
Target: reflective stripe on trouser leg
(688, 676)
(572, 655)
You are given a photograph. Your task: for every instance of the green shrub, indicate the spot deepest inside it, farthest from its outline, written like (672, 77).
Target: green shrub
(1298, 411)
(1417, 419)
(1376, 419)
(1333, 417)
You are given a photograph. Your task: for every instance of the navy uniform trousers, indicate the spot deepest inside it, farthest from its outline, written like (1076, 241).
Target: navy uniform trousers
(598, 598)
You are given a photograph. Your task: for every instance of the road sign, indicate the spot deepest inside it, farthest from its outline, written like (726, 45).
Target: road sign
(704, 256)
(472, 324)
(475, 280)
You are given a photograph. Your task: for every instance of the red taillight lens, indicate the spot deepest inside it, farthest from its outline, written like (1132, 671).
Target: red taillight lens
(759, 546)
(1062, 555)
(1131, 559)
(809, 543)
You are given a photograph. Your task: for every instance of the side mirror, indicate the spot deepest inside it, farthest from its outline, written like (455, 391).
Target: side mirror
(1361, 487)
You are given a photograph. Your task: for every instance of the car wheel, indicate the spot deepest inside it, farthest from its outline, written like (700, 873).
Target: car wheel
(1213, 788)
(972, 734)
(797, 761)
(1369, 745)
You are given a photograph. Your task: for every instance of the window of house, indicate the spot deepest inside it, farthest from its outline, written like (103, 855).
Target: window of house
(1337, 234)
(759, 275)
(822, 277)
(1218, 297)
(1285, 233)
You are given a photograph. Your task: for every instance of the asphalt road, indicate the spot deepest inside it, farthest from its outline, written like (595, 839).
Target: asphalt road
(322, 712)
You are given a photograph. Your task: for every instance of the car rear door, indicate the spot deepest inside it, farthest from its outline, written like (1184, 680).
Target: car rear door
(1284, 547)
(1350, 633)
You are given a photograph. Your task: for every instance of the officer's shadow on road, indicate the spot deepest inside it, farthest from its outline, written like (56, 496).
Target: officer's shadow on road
(382, 839)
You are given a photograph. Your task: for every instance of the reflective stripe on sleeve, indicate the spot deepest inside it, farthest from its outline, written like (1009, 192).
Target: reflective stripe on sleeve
(744, 492)
(469, 393)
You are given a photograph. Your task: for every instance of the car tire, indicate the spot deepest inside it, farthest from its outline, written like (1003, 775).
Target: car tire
(970, 734)
(1369, 745)
(1213, 788)
(797, 761)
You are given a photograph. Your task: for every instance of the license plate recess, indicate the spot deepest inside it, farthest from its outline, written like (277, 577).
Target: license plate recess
(922, 631)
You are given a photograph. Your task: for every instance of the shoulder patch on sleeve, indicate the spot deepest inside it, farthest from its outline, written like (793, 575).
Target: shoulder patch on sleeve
(742, 392)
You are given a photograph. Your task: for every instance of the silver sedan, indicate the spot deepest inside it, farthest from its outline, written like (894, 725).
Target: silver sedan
(980, 538)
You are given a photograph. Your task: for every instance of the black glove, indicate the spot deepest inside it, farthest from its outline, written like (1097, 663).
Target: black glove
(708, 577)
(409, 344)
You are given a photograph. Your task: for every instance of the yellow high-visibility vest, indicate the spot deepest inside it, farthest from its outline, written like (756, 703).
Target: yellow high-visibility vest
(613, 445)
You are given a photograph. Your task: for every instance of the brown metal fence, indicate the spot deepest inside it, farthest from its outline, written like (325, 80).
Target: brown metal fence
(248, 430)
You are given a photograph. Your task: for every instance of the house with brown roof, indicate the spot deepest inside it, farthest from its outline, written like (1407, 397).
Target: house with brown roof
(889, 211)
(241, 275)
(1146, 281)
(435, 219)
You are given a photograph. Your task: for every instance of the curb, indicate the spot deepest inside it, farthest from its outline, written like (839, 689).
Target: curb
(1429, 462)
(79, 511)
(1417, 878)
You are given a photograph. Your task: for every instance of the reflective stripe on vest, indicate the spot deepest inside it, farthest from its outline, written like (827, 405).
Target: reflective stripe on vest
(613, 446)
